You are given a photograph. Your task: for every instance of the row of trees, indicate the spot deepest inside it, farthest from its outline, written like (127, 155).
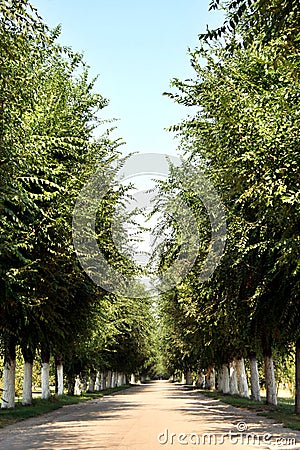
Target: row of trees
(245, 140)
(48, 306)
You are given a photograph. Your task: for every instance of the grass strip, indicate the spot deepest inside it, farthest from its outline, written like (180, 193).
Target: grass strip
(39, 406)
(283, 413)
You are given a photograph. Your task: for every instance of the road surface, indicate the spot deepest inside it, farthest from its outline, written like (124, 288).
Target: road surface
(158, 415)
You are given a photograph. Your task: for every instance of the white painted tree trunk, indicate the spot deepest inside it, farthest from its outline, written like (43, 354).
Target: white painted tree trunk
(109, 379)
(98, 382)
(103, 380)
(212, 378)
(132, 379)
(220, 380)
(242, 378)
(226, 379)
(45, 373)
(77, 387)
(270, 380)
(27, 384)
(92, 382)
(84, 383)
(45, 381)
(9, 376)
(224, 382)
(124, 379)
(120, 379)
(233, 383)
(113, 379)
(254, 378)
(182, 378)
(60, 378)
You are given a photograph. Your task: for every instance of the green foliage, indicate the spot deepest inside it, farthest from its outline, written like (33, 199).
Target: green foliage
(48, 114)
(253, 17)
(245, 139)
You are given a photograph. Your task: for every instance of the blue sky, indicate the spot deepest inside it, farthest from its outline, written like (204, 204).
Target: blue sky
(136, 47)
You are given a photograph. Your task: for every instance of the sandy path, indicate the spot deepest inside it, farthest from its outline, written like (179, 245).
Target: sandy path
(135, 418)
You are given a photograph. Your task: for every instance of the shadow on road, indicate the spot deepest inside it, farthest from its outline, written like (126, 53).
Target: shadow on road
(133, 419)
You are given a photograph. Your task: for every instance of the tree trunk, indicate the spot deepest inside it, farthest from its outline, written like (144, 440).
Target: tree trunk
(9, 376)
(254, 377)
(233, 382)
(109, 376)
(224, 379)
(71, 385)
(211, 378)
(45, 375)
(98, 382)
(242, 378)
(132, 379)
(115, 378)
(270, 378)
(188, 377)
(60, 375)
(92, 382)
(28, 355)
(120, 379)
(77, 387)
(220, 380)
(103, 380)
(297, 381)
(201, 380)
(45, 381)
(113, 375)
(27, 384)
(84, 383)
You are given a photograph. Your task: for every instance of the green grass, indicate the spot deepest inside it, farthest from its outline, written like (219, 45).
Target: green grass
(39, 406)
(282, 413)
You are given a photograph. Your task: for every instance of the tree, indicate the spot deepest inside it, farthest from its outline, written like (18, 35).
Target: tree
(49, 112)
(243, 139)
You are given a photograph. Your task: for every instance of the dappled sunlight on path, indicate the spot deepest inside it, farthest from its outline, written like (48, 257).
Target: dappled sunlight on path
(134, 419)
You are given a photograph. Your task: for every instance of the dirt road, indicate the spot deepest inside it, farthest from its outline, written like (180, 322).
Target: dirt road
(149, 417)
